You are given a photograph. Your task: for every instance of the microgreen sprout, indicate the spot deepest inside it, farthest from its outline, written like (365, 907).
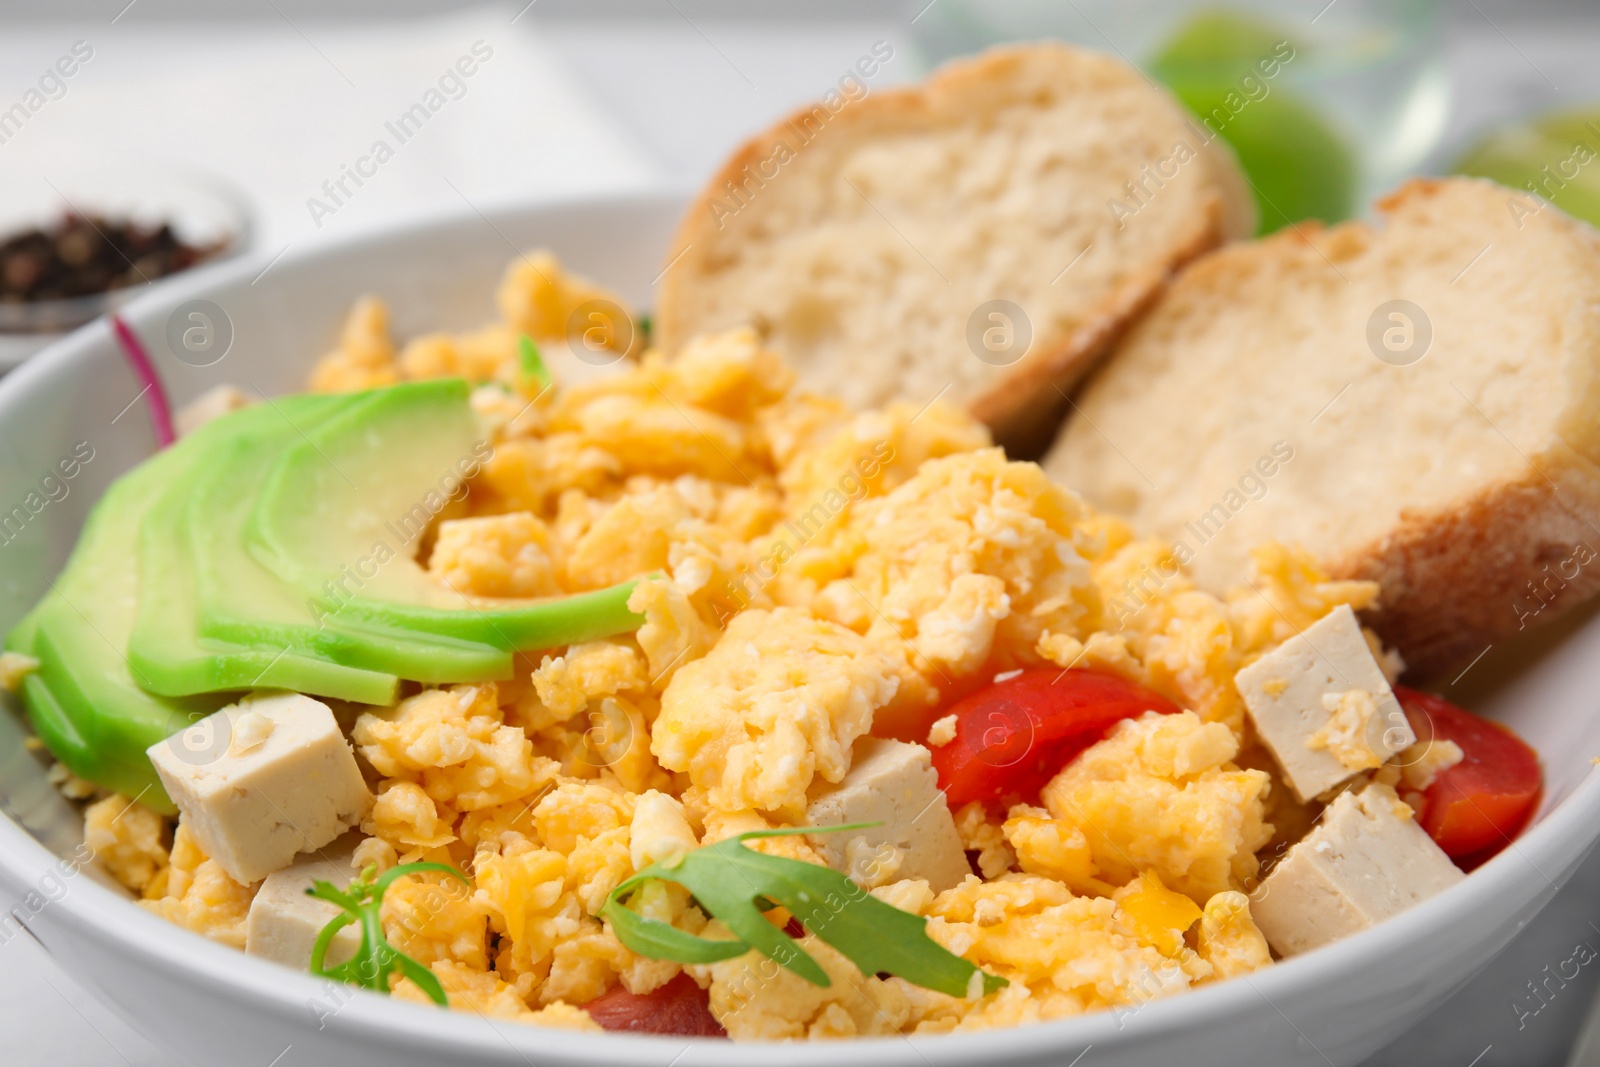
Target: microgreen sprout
(736, 884)
(376, 959)
(532, 363)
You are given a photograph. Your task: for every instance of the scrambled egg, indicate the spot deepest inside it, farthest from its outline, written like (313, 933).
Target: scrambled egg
(1160, 795)
(194, 892)
(754, 998)
(817, 575)
(777, 701)
(129, 840)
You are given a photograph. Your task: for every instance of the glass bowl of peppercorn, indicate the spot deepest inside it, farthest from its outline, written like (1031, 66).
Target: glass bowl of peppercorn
(76, 242)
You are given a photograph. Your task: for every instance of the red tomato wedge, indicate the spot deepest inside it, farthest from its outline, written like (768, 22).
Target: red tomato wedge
(1013, 736)
(680, 1008)
(1475, 808)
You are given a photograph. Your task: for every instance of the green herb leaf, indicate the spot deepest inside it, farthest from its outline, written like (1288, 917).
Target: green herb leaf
(730, 882)
(376, 959)
(658, 941)
(533, 363)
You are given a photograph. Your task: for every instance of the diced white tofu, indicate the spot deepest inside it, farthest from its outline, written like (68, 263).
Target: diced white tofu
(894, 783)
(1367, 859)
(211, 404)
(1320, 702)
(263, 780)
(283, 923)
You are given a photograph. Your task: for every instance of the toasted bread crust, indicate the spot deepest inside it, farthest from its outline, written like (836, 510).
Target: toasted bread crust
(1013, 403)
(1024, 399)
(1456, 582)
(1508, 547)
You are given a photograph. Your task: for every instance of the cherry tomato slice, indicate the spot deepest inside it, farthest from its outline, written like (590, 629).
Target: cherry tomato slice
(1013, 736)
(680, 1008)
(1475, 808)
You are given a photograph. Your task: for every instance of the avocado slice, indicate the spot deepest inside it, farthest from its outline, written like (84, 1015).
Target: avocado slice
(340, 515)
(123, 658)
(90, 701)
(60, 735)
(165, 651)
(83, 701)
(242, 602)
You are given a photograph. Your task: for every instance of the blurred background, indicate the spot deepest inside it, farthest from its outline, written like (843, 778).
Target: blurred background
(139, 137)
(251, 125)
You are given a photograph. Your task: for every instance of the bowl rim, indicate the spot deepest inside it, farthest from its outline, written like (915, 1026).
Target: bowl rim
(1514, 880)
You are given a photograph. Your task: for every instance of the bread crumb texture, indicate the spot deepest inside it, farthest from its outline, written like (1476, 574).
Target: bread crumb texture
(864, 256)
(1411, 401)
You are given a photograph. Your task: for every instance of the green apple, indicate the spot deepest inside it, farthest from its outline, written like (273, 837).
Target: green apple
(1297, 163)
(1554, 156)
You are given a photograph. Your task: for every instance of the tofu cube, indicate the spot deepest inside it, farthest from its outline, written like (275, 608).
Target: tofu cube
(1320, 702)
(263, 780)
(283, 923)
(1367, 859)
(893, 783)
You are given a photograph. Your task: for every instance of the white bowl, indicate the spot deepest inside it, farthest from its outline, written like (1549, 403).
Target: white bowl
(212, 1004)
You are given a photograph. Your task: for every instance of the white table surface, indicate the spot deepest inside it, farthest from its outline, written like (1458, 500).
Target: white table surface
(567, 106)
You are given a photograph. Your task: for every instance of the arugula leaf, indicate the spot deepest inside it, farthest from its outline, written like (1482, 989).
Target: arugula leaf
(532, 363)
(376, 959)
(731, 882)
(659, 941)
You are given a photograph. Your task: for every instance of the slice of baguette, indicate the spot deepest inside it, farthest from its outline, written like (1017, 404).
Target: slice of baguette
(860, 240)
(1249, 405)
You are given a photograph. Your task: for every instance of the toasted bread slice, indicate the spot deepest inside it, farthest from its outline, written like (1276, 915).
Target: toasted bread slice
(860, 241)
(1447, 449)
